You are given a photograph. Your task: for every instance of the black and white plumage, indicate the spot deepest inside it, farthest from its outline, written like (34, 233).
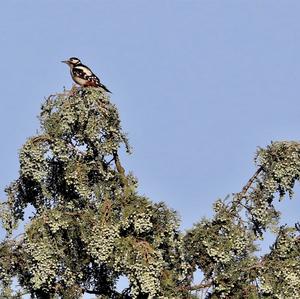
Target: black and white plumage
(83, 75)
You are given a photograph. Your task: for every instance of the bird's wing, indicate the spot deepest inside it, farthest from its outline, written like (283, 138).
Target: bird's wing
(84, 72)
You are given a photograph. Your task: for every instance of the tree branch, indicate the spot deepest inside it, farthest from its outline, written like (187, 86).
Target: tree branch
(120, 169)
(245, 189)
(197, 287)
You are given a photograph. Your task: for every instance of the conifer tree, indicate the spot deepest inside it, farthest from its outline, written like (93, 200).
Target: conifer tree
(89, 226)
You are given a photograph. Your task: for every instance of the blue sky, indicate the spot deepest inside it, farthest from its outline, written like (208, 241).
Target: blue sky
(199, 86)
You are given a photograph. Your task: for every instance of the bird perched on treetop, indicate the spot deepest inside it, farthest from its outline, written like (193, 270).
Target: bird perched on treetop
(83, 75)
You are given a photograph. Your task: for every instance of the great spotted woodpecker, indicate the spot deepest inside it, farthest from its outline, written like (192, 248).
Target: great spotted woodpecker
(83, 75)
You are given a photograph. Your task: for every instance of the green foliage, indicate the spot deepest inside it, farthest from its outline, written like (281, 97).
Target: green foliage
(280, 274)
(224, 247)
(90, 226)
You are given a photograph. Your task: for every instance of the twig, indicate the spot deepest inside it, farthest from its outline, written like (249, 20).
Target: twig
(41, 138)
(197, 287)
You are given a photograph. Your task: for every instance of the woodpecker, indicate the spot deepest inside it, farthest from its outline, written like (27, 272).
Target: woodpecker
(83, 75)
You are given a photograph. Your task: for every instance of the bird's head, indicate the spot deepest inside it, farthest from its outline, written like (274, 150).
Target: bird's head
(72, 61)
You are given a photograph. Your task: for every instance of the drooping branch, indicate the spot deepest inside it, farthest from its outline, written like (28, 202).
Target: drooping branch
(120, 168)
(121, 171)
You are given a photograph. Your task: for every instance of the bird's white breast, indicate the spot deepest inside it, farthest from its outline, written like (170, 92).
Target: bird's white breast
(79, 80)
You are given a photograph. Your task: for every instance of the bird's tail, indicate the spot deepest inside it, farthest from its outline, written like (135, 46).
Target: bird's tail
(104, 87)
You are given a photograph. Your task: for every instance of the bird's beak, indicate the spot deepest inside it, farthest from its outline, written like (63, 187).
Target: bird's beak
(66, 61)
